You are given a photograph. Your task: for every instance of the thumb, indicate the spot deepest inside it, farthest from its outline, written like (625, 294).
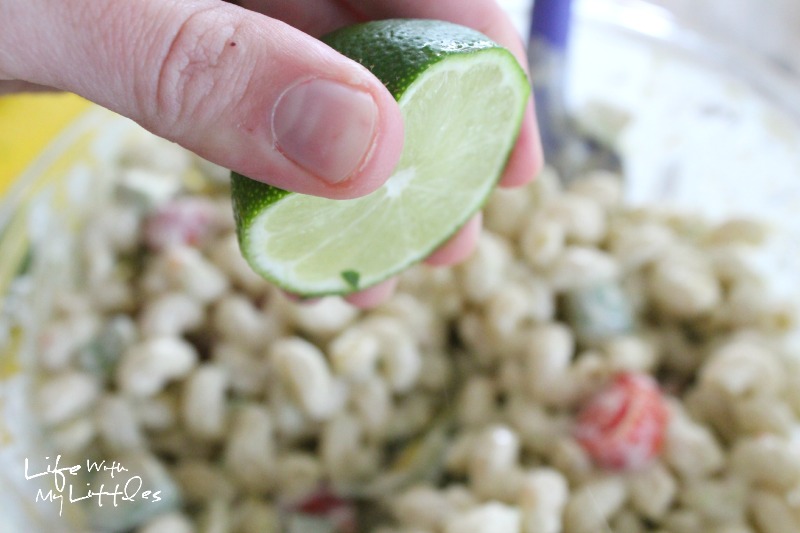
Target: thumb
(238, 88)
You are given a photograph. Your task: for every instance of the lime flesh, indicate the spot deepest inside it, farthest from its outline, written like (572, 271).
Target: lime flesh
(462, 116)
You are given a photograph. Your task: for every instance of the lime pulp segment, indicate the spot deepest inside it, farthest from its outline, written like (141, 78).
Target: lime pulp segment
(461, 117)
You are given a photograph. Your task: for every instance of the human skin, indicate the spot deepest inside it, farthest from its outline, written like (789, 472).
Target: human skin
(248, 86)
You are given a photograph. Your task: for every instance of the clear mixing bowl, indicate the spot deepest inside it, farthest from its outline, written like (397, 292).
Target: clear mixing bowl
(699, 124)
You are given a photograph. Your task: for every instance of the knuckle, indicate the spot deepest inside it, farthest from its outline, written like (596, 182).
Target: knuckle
(199, 64)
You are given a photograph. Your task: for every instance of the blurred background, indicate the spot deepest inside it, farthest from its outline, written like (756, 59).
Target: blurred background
(768, 26)
(771, 27)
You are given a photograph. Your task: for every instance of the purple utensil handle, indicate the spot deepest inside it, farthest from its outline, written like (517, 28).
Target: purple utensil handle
(550, 22)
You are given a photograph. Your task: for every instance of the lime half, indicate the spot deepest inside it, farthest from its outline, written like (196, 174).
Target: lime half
(462, 98)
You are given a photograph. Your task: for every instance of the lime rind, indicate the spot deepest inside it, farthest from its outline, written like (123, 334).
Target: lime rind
(305, 244)
(407, 47)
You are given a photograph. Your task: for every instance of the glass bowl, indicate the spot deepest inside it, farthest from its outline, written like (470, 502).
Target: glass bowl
(699, 124)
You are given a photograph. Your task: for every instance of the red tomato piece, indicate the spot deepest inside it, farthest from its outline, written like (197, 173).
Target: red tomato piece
(623, 426)
(185, 221)
(323, 503)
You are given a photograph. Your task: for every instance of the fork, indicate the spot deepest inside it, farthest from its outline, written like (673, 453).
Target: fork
(571, 152)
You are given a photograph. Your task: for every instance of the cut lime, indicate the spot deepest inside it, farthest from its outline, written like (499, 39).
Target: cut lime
(462, 98)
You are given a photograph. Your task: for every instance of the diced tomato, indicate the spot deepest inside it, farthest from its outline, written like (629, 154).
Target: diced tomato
(184, 221)
(623, 426)
(325, 503)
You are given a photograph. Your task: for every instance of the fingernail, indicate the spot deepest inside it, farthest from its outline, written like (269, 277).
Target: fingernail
(325, 127)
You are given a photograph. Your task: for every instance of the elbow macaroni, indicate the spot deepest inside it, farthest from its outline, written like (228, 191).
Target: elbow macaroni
(458, 395)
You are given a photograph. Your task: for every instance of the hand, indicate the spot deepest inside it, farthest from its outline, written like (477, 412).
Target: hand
(221, 80)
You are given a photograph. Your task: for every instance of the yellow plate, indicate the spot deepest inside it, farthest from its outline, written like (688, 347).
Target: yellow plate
(44, 139)
(28, 124)
(49, 144)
